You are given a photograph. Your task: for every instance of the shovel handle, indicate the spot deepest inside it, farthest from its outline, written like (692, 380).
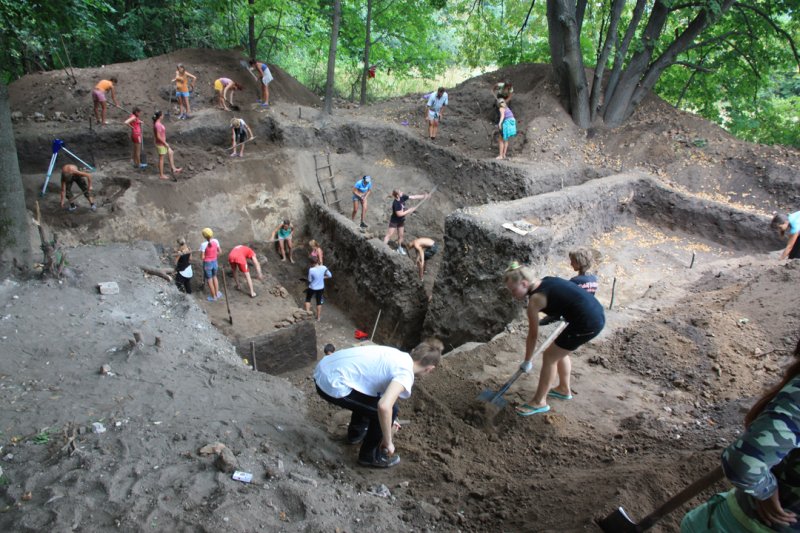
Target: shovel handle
(545, 345)
(682, 497)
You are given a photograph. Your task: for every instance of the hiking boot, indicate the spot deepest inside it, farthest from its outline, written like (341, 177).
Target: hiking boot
(381, 460)
(94, 207)
(356, 434)
(363, 226)
(72, 207)
(402, 251)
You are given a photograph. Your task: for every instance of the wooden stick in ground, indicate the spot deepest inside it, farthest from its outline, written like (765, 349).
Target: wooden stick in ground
(613, 289)
(225, 289)
(253, 355)
(375, 327)
(160, 272)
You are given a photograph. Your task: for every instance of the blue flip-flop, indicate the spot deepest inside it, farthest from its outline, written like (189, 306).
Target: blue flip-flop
(557, 395)
(527, 410)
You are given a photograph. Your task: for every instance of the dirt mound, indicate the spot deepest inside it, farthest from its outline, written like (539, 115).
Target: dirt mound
(146, 84)
(93, 448)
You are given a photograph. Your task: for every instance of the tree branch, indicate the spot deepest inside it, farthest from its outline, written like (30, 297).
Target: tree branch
(527, 17)
(622, 50)
(746, 59)
(696, 67)
(775, 27)
(580, 11)
(714, 39)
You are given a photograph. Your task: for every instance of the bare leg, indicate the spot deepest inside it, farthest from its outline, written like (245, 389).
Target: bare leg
(161, 167)
(389, 234)
(171, 153)
(283, 252)
(188, 108)
(97, 112)
(215, 284)
(289, 244)
(355, 211)
(319, 312)
(400, 232)
(266, 93)
(363, 209)
(550, 360)
(308, 307)
(235, 271)
(500, 143)
(564, 369)
(250, 284)
(104, 111)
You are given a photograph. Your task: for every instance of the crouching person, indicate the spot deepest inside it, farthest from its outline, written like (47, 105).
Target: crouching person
(368, 380)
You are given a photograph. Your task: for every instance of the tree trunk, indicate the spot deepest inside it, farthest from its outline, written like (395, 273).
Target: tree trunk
(337, 15)
(367, 44)
(13, 215)
(618, 105)
(599, 68)
(622, 50)
(556, 38)
(251, 29)
(570, 70)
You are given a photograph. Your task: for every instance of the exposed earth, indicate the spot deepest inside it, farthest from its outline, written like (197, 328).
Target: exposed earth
(657, 395)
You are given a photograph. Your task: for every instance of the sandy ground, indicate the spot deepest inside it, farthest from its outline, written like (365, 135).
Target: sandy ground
(657, 395)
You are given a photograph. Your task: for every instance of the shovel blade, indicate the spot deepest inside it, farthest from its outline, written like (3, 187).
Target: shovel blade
(490, 396)
(618, 522)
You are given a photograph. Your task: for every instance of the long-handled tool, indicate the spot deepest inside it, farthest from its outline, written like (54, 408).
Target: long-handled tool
(619, 522)
(144, 153)
(496, 398)
(225, 288)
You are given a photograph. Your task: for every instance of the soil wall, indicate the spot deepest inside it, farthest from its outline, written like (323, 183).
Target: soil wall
(478, 248)
(367, 277)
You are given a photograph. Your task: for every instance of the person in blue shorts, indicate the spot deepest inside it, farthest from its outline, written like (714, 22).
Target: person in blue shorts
(361, 191)
(555, 297)
(436, 103)
(507, 127)
(788, 224)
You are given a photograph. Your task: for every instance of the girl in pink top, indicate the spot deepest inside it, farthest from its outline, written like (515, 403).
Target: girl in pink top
(135, 124)
(160, 133)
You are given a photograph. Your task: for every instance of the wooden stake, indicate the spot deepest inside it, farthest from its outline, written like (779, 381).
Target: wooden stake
(692, 263)
(253, 355)
(375, 327)
(225, 289)
(613, 290)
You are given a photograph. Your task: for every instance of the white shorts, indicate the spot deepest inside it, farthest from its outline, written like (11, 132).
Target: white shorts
(267, 77)
(433, 116)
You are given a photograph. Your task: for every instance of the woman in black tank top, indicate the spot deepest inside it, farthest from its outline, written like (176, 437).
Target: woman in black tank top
(555, 297)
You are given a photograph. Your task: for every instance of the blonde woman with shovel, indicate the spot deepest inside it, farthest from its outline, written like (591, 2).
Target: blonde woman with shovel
(555, 297)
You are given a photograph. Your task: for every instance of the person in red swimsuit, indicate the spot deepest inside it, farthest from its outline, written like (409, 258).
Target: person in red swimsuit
(238, 260)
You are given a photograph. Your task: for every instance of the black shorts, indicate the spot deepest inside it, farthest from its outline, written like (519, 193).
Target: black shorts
(576, 335)
(397, 223)
(241, 135)
(430, 252)
(311, 293)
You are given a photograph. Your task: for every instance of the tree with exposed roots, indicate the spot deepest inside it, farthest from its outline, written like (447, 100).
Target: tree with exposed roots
(646, 48)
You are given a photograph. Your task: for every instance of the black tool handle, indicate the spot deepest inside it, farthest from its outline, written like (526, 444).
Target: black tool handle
(682, 497)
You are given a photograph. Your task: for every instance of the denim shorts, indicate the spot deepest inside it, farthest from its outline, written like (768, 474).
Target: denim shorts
(209, 269)
(179, 93)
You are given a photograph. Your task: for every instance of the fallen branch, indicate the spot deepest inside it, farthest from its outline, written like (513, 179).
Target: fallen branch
(160, 272)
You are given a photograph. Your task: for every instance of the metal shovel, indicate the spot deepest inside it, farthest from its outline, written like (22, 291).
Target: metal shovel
(619, 522)
(496, 398)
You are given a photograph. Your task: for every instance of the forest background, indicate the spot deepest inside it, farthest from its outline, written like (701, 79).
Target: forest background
(733, 62)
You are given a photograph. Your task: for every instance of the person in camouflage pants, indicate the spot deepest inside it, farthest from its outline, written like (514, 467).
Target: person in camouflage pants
(763, 466)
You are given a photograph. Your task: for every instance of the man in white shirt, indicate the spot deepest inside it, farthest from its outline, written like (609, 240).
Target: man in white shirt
(436, 104)
(368, 380)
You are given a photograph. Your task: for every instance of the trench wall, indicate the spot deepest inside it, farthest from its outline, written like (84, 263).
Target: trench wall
(470, 302)
(367, 277)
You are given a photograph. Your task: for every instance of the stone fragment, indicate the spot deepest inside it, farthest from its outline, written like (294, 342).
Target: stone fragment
(208, 449)
(226, 461)
(108, 287)
(302, 479)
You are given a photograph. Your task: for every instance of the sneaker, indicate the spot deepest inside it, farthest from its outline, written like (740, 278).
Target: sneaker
(143, 165)
(356, 434)
(402, 251)
(381, 460)
(234, 155)
(72, 207)
(94, 207)
(364, 225)
(219, 295)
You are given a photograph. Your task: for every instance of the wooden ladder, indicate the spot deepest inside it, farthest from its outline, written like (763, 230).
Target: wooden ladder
(326, 180)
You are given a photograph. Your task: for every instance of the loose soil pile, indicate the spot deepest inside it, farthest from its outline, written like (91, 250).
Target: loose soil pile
(657, 396)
